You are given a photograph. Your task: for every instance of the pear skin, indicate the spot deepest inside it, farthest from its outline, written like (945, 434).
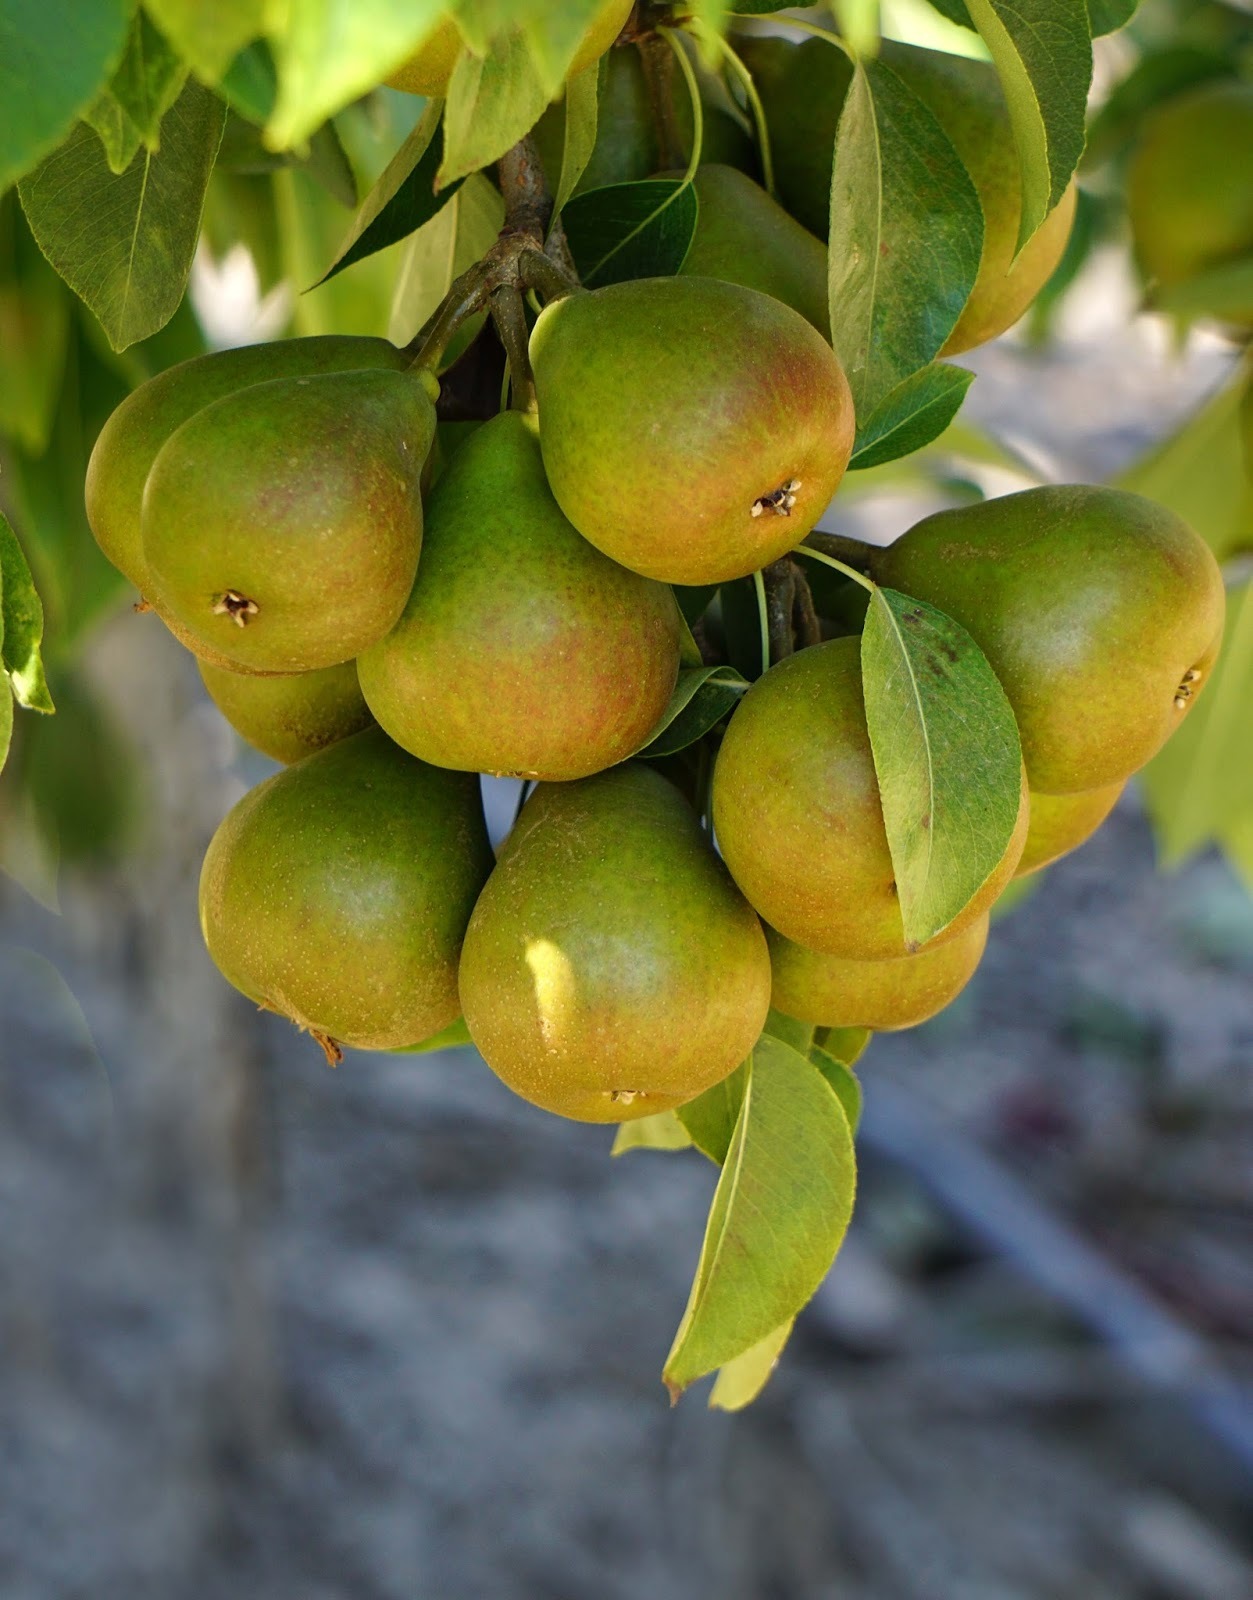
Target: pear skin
(1101, 614)
(743, 236)
(798, 817)
(522, 650)
(1060, 823)
(611, 968)
(288, 717)
(337, 892)
(834, 992)
(1189, 190)
(282, 524)
(692, 430)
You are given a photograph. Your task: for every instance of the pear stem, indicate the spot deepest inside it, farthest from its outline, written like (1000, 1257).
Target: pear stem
(509, 317)
(744, 78)
(838, 551)
(763, 618)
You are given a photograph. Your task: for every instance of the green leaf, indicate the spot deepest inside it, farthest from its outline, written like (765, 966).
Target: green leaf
(661, 1131)
(946, 754)
(55, 56)
(6, 725)
(694, 600)
(580, 132)
(125, 244)
(631, 230)
(1202, 780)
(455, 237)
(740, 1382)
(82, 777)
(847, 1045)
(1200, 473)
(702, 697)
(1237, 843)
(402, 200)
(209, 34)
(800, 1035)
(911, 415)
(553, 33)
(34, 327)
(146, 84)
(493, 101)
(21, 626)
(842, 1081)
(710, 1119)
(1042, 51)
(906, 236)
(1107, 16)
(330, 51)
(250, 86)
(778, 1217)
(452, 1037)
(1222, 292)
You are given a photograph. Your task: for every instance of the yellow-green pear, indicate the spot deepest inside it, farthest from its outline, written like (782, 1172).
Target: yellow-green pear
(611, 968)
(692, 430)
(289, 716)
(836, 992)
(522, 650)
(798, 817)
(1100, 611)
(1060, 823)
(337, 892)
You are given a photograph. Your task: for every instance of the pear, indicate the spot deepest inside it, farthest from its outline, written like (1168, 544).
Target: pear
(611, 968)
(692, 430)
(1189, 189)
(288, 717)
(798, 816)
(803, 97)
(1100, 612)
(743, 236)
(1061, 822)
(129, 441)
(282, 524)
(337, 893)
(428, 70)
(835, 992)
(522, 650)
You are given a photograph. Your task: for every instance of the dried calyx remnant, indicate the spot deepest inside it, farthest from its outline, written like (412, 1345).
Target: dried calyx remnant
(236, 606)
(1187, 688)
(780, 500)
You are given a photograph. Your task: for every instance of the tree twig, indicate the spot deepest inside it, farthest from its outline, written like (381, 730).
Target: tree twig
(658, 63)
(509, 318)
(805, 625)
(780, 599)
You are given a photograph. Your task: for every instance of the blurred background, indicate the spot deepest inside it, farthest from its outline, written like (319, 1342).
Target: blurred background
(386, 1332)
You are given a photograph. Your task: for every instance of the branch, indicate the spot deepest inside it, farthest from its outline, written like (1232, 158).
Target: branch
(658, 62)
(509, 318)
(780, 599)
(805, 624)
(524, 185)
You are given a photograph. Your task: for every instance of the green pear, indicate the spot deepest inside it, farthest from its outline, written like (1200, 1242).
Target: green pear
(1061, 822)
(611, 968)
(289, 716)
(835, 992)
(804, 97)
(129, 441)
(743, 236)
(1190, 186)
(692, 430)
(282, 523)
(337, 893)
(1100, 612)
(522, 650)
(798, 816)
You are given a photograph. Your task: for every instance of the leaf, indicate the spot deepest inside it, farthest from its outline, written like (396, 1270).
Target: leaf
(250, 86)
(740, 1381)
(402, 200)
(1107, 16)
(553, 34)
(146, 84)
(911, 415)
(34, 328)
(124, 244)
(778, 1216)
(455, 237)
(21, 626)
(946, 754)
(631, 230)
(800, 1035)
(452, 1037)
(1200, 473)
(1202, 780)
(209, 35)
(847, 1045)
(906, 236)
(710, 1119)
(6, 725)
(661, 1131)
(842, 1081)
(1222, 292)
(580, 132)
(1042, 51)
(702, 697)
(1237, 843)
(330, 51)
(493, 101)
(55, 56)
(694, 600)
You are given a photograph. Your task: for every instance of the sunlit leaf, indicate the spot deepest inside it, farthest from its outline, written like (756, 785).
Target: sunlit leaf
(454, 238)
(143, 88)
(579, 139)
(21, 626)
(740, 1382)
(662, 1131)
